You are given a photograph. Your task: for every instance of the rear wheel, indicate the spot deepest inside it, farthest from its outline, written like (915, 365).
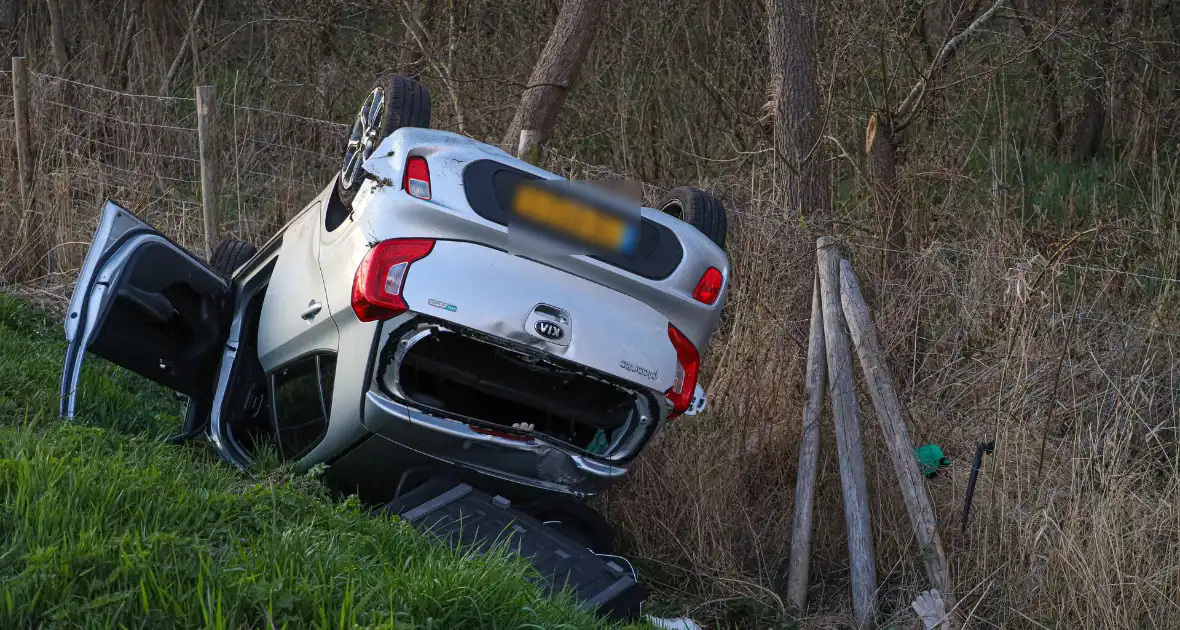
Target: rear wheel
(230, 255)
(394, 102)
(698, 209)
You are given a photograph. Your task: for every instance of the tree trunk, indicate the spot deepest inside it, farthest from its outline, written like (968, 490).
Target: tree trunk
(881, 146)
(122, 74)
(1088, 139)
(57, 33)
(10, 11)
(798, 109)
(1092, 121)
(555, 72)
(1051, 114)
(1174, 10)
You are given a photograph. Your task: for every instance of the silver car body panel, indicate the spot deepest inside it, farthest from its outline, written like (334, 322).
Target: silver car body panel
(383, 211)
(295, 318)
(496, 293)
(616, 321)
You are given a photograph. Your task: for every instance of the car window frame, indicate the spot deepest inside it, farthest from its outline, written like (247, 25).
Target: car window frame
(323, 398)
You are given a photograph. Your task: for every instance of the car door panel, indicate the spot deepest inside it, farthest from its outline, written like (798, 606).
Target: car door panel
(144, 303)
(295, 317)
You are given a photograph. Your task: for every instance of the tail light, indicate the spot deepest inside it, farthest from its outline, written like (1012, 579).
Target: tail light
(688, 363)
(709, 287)
(417, 178)
(377, 287)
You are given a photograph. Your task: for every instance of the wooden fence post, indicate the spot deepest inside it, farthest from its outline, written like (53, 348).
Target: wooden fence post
(20, 102)
(813, 394)
(206, 128)
(850, 452)
(889, 415)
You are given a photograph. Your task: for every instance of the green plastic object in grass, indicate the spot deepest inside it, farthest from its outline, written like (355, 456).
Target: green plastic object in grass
(931, 458)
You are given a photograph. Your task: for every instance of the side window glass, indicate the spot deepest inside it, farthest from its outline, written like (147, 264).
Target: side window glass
(301, 418)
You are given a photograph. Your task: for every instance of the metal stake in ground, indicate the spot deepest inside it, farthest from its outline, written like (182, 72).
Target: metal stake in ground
(813, 394)
(842, 393)
(889, 415)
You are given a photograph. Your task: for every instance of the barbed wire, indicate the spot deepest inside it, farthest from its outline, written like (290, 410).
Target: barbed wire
(121, 120)
(285, 147)
(1008, 257)
(138, 152)
(135, 172)
(260, 197)
(319, 121)
(55, 79)
(256, 190)
(280, 177)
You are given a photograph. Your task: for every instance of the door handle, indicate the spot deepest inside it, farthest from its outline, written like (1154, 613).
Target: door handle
(311, 311)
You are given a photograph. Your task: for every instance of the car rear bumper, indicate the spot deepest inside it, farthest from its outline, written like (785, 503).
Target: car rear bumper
(536, 464)
(486, 444)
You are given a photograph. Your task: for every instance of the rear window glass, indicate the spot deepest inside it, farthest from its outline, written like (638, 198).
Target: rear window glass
(489, 186)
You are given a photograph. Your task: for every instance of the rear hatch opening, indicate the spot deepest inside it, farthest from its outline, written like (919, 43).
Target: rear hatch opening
(493, 387)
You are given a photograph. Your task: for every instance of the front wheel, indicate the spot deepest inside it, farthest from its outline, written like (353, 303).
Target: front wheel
(698, 209)
(394, 102)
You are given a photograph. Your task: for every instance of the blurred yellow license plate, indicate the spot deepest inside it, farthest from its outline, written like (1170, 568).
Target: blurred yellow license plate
(574, 216)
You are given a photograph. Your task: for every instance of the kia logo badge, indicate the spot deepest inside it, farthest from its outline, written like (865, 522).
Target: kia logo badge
(549, 330)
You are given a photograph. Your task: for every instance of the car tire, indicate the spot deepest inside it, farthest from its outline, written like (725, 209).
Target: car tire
(229, 255)
(403, 102)
(698, 209)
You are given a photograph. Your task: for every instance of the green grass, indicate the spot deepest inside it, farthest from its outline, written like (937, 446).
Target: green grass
(103, 526)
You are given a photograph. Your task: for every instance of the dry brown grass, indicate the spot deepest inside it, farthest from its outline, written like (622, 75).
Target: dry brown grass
(1080, 359)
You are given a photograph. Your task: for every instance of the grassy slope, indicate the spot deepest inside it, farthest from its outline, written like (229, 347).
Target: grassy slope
(101, 525)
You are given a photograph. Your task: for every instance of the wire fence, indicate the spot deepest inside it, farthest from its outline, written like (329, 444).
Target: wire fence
(92, 143)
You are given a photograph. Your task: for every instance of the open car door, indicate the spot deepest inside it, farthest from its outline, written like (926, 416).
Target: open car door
(144, 303)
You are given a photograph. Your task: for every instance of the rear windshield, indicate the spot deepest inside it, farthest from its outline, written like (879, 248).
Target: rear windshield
(490, 184)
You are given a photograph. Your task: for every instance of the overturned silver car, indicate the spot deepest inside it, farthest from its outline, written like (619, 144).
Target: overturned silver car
(392, 329)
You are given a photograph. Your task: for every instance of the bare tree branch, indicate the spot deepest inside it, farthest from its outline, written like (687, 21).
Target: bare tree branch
(179, 58)
(418, 31)
(909, 107)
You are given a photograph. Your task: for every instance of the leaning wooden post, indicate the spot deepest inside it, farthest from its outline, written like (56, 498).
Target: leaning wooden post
(20, 103)
(850, 452)
(889, 415)
(813, 394)
(206, 128)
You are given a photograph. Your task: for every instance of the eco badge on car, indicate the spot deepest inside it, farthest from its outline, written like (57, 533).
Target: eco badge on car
(551, 324)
